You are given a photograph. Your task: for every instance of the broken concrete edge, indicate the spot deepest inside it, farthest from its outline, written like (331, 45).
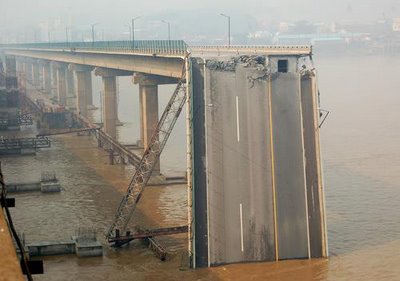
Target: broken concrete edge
(230, 65)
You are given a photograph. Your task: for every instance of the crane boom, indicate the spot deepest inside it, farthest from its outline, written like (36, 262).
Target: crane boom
(149, 159)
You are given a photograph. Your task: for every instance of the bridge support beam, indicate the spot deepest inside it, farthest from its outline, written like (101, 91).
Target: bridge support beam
(89, 89)
(35, 74)
(83, 86)
(11, 72)
(148, 103)
(46, 76)
(22, 73)
(53, 69)
(61, 84)
(28, 72)
(71, 103)
(110, 107)
(11, 66)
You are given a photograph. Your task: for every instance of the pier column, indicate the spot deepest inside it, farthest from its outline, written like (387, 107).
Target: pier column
(47, 78)
(83, 78)
(70, 88)
(89, 90)
(110, 105)
(148, 103)
(35, 74)
(110, 108)
(11, 66)
(149, 108)
(54, 83)
(28, 73)
(61, 84)
(11, 72)
(22, 74)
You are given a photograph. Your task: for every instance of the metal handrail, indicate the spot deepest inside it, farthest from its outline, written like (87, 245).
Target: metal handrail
(169, 47)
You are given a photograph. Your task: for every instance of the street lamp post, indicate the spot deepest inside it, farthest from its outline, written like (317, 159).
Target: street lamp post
(66, 34)
(133, 31)
(93, 25)
(169, 29)
(229, 28)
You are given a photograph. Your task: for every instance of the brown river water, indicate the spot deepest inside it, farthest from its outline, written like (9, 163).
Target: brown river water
(361, 153)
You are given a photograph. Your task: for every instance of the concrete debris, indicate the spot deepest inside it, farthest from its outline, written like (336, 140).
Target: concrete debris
(245, 60)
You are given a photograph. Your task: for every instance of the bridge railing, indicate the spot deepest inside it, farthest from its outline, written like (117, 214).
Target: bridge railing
(252, 49)
(165, 47)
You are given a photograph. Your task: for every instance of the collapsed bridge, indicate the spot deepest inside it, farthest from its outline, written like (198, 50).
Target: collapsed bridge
(255, 188)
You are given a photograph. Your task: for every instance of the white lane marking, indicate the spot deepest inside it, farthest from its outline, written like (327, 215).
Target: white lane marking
(237, 119)
(241, 226)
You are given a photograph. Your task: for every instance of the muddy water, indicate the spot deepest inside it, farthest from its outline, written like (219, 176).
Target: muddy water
(360, 142)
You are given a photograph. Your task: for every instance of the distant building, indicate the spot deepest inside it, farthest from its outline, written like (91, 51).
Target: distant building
(396, 24)
(283, 27)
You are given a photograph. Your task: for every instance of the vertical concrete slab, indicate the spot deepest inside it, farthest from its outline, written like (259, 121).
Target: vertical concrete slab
(70, 88)
(110, 100)
(141, 115)
(149, 115)
(290, 186)
(61, 86)
(237, 163)
(54, 82)
(46, 77)
(11, 66)
(256, 164)
(200, 231)
(22, 76)
(36, 74)
(81, 100)
(313, 168)
(89, 89)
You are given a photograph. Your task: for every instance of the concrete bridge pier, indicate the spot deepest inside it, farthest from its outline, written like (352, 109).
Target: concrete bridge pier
(53, 70)
(22, 73)
(46, 77)
(11, 66)
(71, 102)
(89, 89)
(110, 108)
(35, 74)
(11, 72)
(148, 103)
(61, 84)
(28, 72)
(83, 86)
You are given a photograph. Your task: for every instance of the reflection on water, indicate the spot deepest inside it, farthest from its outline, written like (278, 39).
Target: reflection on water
(361, 159)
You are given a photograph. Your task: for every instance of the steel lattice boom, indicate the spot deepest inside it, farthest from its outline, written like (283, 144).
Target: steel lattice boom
(149, 159)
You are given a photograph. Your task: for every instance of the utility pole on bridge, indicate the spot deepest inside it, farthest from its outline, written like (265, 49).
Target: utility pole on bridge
(133, 31)
(229, 28)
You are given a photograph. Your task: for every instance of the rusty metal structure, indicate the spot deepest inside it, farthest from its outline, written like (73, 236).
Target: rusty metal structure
(150, 157)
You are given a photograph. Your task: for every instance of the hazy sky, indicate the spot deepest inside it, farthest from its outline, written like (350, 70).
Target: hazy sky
(201, 15)
(30, 11)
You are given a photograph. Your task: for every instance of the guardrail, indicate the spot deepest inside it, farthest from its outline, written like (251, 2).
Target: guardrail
(163, 47)
(167, 47)
(252, 49)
